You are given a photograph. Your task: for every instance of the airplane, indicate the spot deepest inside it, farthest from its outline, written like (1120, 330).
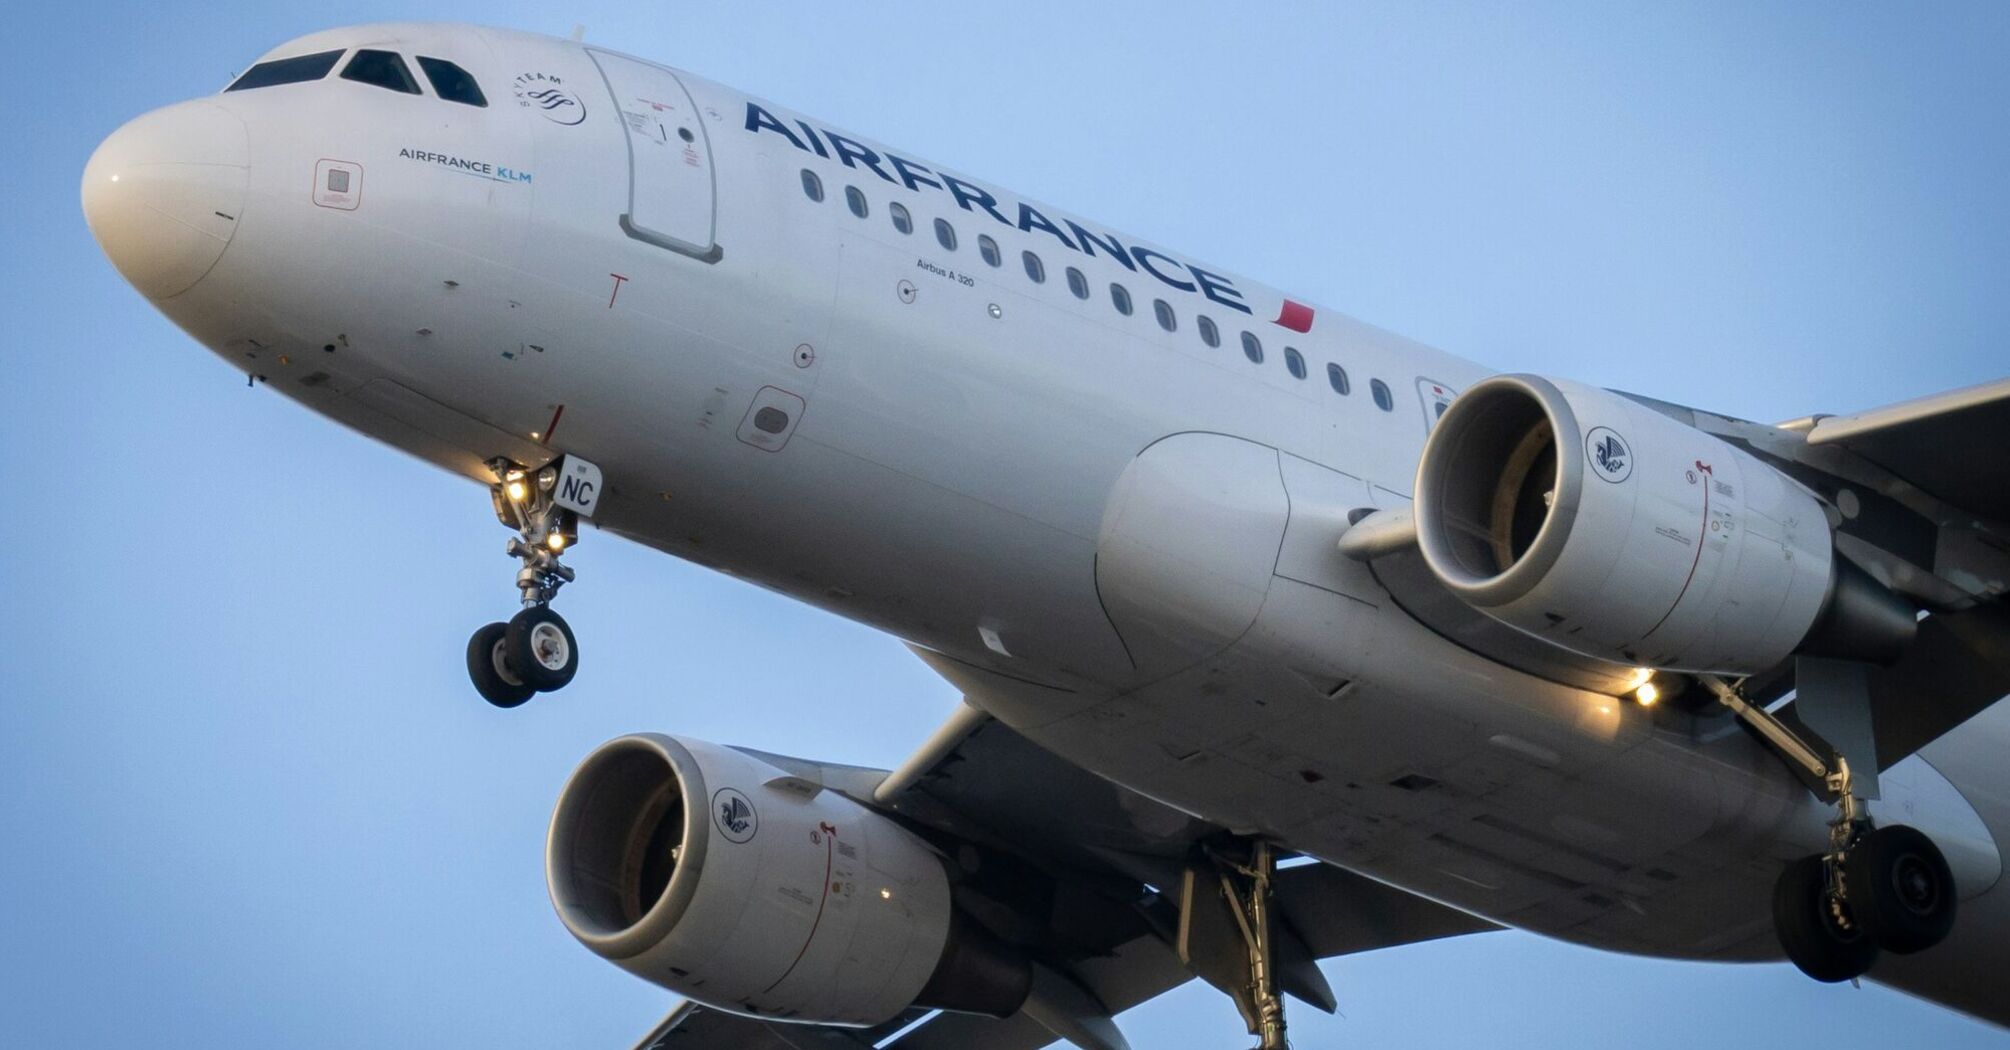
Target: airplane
(1280, 637)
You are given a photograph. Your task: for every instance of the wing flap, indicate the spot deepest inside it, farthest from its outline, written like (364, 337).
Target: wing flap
(1951, 445)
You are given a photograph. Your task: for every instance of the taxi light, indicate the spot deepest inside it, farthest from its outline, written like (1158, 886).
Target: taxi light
(517, 491)
(556, 541)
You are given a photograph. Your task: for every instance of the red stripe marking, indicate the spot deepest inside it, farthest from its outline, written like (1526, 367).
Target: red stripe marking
(1702, 535)
(830, 845)
(1295, 316)
(552, 427)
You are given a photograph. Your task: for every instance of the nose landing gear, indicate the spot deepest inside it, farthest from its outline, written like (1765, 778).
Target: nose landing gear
(535, 652)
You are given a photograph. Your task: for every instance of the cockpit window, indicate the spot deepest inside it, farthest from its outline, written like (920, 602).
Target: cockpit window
(382, 68)
(451, 82)
(293, 70)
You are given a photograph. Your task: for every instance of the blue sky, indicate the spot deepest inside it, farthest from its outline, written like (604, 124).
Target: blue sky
(247, 794)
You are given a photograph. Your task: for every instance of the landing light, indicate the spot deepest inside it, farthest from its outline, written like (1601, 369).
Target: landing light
(517, 491)
(556, 541)
(1647, 694)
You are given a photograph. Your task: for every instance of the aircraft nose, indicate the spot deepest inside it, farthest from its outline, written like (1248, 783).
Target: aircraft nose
(163, 194)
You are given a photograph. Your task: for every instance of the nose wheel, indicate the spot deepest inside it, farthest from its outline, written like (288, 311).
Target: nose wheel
(536, 651)
(493, 672)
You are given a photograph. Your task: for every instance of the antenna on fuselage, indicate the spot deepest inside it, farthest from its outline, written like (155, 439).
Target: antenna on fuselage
(578, 33)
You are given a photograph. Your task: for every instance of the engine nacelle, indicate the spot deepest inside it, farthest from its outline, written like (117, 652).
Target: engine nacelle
(722, 878)
(1602, 526)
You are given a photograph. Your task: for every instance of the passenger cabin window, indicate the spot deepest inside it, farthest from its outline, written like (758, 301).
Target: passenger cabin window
(854, 198)
(296, 70)
(1164, 312)
(452, 83)
(1209, 334)
(1035, 269)
(1338, 377)
(902, 221)
(1120, 297)
(945, 234)
(1294, 363)
(1252, 348)
(381, 68)
(1384, 400)
(988, 248)
(1077, 283)
(813, 187)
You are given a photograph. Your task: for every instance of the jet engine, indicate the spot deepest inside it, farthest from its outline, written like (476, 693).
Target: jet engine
(1603, 526)
(720, 877)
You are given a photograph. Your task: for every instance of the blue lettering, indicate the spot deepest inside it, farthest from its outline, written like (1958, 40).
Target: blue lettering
(815, 142)
(848, 151)
(1212, 285)
(1089, 241)
(911, 175)
(1145, 257)
(1030, 219)
(758, 118)
(966, 195)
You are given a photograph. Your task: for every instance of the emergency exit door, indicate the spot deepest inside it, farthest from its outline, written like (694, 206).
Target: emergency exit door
(670, 183)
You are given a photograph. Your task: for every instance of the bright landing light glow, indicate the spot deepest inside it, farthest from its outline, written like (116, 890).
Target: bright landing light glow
(1647, 694)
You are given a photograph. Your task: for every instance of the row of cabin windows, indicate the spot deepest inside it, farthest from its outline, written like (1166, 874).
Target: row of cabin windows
(384, 69)
(1120, 296)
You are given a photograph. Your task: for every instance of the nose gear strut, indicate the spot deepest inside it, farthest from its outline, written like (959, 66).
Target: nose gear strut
(535, 651)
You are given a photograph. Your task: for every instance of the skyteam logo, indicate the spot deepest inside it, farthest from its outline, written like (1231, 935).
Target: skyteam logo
(1610, 457)
(734, 815)
(548, 95)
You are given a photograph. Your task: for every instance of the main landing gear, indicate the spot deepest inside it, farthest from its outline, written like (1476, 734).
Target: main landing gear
(1229, 934)
(535, 652)
(1877, 889)
(1248, 892)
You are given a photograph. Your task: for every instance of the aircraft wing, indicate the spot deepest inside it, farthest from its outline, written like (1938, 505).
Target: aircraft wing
(1954, 446)
(699, 1028)
(1103, 846)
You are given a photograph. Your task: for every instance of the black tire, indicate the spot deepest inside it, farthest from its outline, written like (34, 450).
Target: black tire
(1808, 930)
(542, 649)
(1901, 889)
(490, 669)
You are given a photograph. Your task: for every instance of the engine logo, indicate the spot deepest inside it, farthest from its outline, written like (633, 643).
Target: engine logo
(734, 815)
(1609, 455)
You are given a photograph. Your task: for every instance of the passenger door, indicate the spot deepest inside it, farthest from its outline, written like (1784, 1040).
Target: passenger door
(670, 182)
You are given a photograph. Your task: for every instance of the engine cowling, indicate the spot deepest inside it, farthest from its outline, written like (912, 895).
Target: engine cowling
(1605, 527)
(720, 877)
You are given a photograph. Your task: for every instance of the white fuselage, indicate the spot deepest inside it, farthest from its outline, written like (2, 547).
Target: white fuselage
(565, 273)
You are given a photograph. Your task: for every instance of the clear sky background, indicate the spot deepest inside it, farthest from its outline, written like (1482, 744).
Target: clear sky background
(247, 796)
